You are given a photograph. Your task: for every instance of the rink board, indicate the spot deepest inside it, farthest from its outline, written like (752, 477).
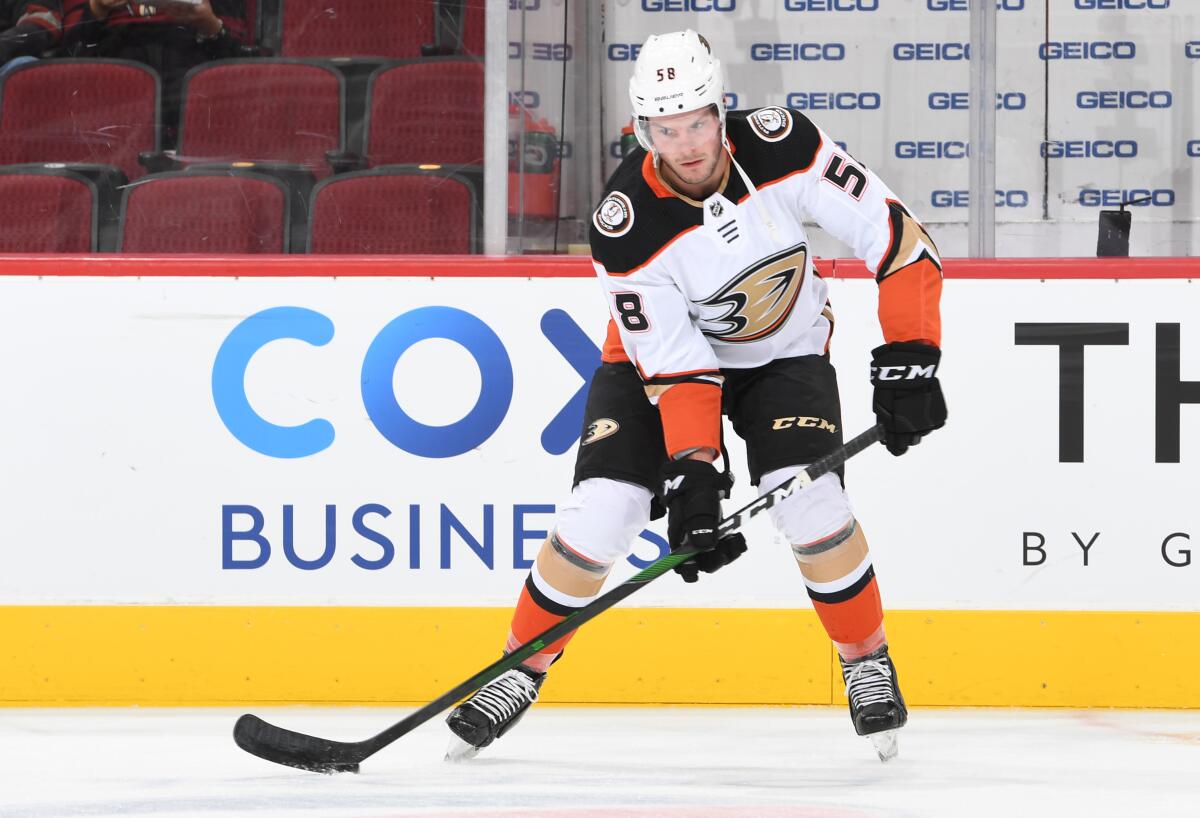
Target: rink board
(205, 504)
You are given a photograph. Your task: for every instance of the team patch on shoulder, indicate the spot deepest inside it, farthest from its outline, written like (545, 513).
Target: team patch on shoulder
(772, 123)
(614, 216)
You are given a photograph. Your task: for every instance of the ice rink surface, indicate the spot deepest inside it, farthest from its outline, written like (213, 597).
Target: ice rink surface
(614, 763)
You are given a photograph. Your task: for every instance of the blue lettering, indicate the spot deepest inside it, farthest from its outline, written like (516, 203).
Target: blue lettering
(831, 5)
(485, 551)
(289, 549)
(360, 528)
(1191, 49)
(932, 150)
(1099, 50)
(525, 99)
(1089, 149)
(1161, 197)
(1193, 148)
(520, 534)
(834, 100)
(656, 540)
(1123, 99)
(229, 536)
(961, 5)
(951, 52)
(798, 52)
(624, 52)
(689, 5)
(1121, 5)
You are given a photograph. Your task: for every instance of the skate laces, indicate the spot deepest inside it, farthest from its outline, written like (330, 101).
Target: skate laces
(869, 682)
(501, 699)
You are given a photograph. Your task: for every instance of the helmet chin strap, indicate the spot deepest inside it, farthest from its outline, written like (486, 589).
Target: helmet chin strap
(755, 196)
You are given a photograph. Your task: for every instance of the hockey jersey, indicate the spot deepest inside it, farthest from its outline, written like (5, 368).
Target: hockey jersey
(728, 282)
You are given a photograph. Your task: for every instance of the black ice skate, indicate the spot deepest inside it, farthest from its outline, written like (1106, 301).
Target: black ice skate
(491, 712)
(876, 705)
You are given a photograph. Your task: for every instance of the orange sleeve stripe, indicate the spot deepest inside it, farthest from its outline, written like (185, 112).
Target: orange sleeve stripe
(691, 417)
(909, 304)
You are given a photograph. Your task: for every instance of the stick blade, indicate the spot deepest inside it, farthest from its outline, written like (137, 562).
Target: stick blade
(293, 749)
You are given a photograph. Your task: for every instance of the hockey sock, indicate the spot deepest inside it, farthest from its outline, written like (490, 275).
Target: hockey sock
(841, 583)
(539, 607)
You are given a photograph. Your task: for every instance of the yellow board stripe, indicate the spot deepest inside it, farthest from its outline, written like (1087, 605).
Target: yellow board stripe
(193, 655)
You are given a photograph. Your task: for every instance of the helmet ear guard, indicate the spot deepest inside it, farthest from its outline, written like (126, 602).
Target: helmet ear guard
(674, 73)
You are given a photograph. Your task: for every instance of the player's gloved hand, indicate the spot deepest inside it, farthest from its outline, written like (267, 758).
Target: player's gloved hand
(691, 490)
(908, 398)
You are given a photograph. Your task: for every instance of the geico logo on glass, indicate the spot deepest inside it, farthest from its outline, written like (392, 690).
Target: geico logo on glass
(525, 99)
(929, 52)
(1191, 49)
(550, 52)
(1113, 197)
(1193, 148)
(797, 52)
(962, 5)
(1123, 99)
(1121, 5)
(689, 5)
(961, 101)
(1090, 149)
(932, 149)
(962, 198)
(834, 100)
(1083, 50)
(831, 5)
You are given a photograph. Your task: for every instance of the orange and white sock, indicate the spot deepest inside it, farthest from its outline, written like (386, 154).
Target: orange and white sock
(848, 606)
(539, 607)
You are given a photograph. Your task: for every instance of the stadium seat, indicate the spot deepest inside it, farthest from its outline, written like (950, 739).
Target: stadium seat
(47, 210)
(265, 110)
(206, 212)
(392, 29)
(44, 117)
(397, 210)
(425, 111)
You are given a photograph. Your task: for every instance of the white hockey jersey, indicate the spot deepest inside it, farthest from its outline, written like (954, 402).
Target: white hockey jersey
(694, 287)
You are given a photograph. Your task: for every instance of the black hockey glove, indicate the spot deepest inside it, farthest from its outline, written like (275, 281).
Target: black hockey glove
(692, 490)
(908, 398)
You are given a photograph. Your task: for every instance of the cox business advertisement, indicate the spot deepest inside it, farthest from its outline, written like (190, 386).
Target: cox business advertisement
(403, 442)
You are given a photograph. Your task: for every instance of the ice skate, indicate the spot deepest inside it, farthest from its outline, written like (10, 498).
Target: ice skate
(491, 712)
(876, 706)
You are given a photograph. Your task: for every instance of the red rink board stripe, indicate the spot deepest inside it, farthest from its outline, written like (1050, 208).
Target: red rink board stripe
(540, 267)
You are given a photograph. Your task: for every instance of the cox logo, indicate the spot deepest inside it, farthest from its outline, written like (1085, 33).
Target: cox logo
(1098, 50)
(624, 52)
(1091, 197)
(1123, 99)
(831, 5)
(932, 150)
(798, 52)
(961, 101)
(1090, 149)
(961, 5)
(380, 401)
(951, 52)
(689, 5)
(962, 198)
(1118, 5)
(525, 99)
(834, 100)
(550, 52)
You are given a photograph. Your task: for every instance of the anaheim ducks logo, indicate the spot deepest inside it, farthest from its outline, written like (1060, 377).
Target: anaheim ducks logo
(772, 123)
(759, 300)
(614, 216)
(600, 429)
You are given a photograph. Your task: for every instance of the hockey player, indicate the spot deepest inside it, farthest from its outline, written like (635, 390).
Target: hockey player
(716, 308)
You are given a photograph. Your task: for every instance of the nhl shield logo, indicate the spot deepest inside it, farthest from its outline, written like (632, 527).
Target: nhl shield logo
(771, 124)
(614, 216)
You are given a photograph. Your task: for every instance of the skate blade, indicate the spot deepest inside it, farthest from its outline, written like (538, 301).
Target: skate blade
(887, 744)
(458, 750)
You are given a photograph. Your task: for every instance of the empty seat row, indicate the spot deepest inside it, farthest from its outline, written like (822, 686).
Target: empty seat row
(397, 210)
(261, 110)
(389, 29)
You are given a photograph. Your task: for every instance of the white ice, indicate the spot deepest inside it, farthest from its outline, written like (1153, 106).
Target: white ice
(614, 762)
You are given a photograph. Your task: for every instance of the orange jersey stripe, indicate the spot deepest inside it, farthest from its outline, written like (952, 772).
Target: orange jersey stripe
(909, 304)
(691, 417)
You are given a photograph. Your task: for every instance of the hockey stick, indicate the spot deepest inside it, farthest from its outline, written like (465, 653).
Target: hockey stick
(321, 755)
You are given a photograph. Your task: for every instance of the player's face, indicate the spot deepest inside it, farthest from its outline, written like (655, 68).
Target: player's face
(689, 146)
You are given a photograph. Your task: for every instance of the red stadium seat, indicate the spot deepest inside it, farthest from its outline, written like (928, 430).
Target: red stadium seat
(396, 210)
(264, 110)
(392, 29)
(47, 116)
(46, 210)
(426, 111)
(206, 212)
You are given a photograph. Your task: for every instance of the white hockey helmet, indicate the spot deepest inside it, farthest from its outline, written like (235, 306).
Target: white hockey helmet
(675, 73)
